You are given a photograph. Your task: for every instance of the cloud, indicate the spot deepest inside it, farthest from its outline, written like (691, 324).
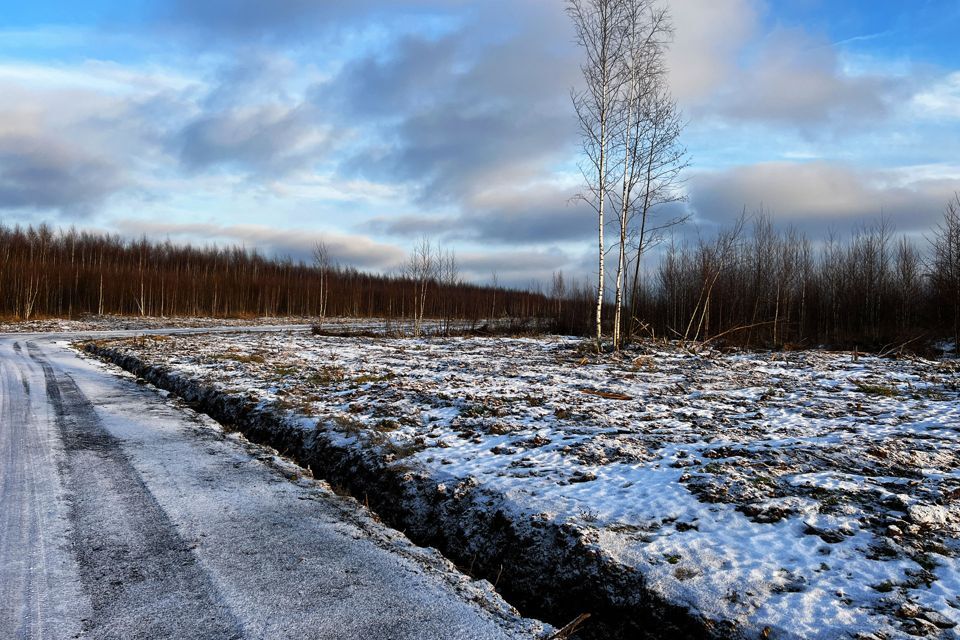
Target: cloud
(247, 116)
(513, 268)
(267, 140)
(413, 225)
(57, 150)
(534, 214)
(281, 19)
(710, 35)
(942, 100)
(798, 81)
(816, 195)
(349, 250)
(461, 113)
(722, 69)
(38, 172)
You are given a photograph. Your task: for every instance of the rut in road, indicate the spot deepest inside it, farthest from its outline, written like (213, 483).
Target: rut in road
(133, 564)
(32, 515)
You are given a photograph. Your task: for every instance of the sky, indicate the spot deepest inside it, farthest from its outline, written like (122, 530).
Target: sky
(372, 123)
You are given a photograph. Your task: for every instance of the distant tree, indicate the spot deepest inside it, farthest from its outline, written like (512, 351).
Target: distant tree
(422, 268)
(558, 291)
(712, 260)
(449, 275)
(321, 260)
(908, 284)
(45, 273)
(946, 265)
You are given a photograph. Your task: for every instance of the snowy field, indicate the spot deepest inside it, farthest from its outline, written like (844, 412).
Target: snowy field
(329, 325)
(125, 323)
(797, 495)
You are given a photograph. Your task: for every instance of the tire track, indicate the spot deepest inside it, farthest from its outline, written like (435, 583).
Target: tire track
(142, 579)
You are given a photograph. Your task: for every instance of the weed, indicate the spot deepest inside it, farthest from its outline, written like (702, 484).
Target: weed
(534, 401)
(589, 516)
(325, 376)
(243, 358)
(348, 424)
(500, 429)
(387, 424)
(400, 450)
(477, 411)
(282, 371)
(875, 389)
(926, 561)
(683, 573)
(927, 394)
(371, 378)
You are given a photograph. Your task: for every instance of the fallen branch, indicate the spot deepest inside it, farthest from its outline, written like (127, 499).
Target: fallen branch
(609, 395)
(570, 628)
(891, 348)
(734, 329)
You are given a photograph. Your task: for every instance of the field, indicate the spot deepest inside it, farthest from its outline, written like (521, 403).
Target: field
(785, 495)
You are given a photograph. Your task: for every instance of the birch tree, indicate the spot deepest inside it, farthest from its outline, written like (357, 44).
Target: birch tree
(422, 268)
(946, 266)
(321, 260)
(648, 32)
(449, 273)
(600, 26)
(629, 126)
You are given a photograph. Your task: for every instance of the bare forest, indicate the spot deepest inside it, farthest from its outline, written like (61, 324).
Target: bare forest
(750, 285)
(755, 285)
(68, 273)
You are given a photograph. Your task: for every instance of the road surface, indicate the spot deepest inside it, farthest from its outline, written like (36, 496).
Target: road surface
(125, 515)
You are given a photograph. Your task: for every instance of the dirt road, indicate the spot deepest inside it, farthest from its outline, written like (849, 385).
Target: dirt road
(124, 515)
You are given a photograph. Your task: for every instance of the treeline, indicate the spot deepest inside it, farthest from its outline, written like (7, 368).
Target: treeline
(755, 285)
(69, 273)
(751, 285)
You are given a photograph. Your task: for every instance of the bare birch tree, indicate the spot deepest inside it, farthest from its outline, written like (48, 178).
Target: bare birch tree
(629, 126)
(449, 273)
(558, 291)
(946, 265)
(600, 28)
(648, 32)
(664, 162)
(321, 260)
(421, 268)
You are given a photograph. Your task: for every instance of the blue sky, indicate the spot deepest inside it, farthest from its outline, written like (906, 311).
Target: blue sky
(373, 122)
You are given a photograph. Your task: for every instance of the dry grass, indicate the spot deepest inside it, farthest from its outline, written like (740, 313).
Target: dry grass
(876, 389)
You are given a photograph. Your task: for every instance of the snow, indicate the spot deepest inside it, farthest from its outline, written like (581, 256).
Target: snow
(257, 547)
(125, 323)
(814, 493)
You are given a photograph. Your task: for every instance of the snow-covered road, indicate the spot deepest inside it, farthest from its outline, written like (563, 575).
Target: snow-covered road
(125, 515)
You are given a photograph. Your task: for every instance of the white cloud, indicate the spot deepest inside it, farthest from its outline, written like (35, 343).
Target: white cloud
(796, 80)
(815, 195)
(352, 250)
(942, 99)
(710, 34)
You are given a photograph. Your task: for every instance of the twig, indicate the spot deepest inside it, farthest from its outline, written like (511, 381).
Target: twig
(570, 628)
(740, 328)
(894, 348)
